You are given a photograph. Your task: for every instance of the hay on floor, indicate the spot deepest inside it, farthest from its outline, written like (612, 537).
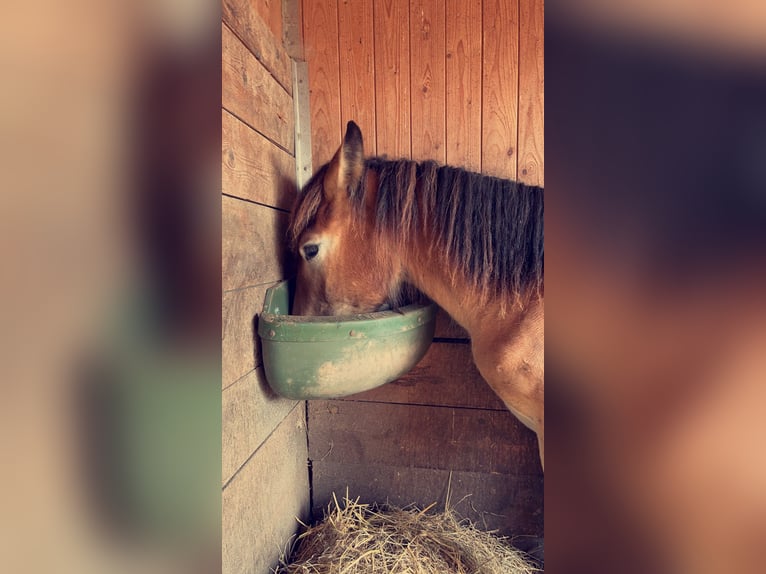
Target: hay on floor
(364, 539)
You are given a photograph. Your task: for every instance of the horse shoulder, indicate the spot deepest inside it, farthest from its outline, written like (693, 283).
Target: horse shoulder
(509, 354)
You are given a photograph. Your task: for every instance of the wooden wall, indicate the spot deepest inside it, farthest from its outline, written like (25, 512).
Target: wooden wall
(460, 82)
(457, 81)
(265, 475)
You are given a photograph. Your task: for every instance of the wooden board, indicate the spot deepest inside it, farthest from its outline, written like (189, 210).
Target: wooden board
(500, 88)
(464, 60)
(445, 85)
(512, 505)
(254, 168)
(253, 244)
(320, 36)
(292, 29)
(240, 345)
(392, 77)
(427, 77)
(357, 70)
(445, 438)
(531, 92)
(446, 376)
(251, 93)
(250, 411)
(302, 106)
(270, 11)
(253, 29)
(261, 503)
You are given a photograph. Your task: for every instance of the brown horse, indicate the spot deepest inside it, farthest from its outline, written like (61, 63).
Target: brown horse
(368, 231)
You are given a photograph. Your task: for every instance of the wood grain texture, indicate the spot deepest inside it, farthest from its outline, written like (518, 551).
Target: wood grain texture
(428, 78)
(510, 504)
(253, 168)
(250, 411)
(302, 106)
(320, 37)
(357, 68)
(392, 78)
(261, 503)
(500, 88)
(240, 345)
(446, 376)
(270, 11)
(254, 31)
(445, 438)
(531, 92)
(464, 58)
(251, 93)
(292, 29)
(253, 245)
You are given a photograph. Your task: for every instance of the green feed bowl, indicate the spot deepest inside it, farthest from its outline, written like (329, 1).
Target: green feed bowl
(330, 357)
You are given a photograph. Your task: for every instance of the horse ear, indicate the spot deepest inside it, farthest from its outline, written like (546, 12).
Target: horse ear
(345, 169)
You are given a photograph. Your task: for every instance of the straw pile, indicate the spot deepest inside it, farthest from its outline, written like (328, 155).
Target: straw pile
(365, 539)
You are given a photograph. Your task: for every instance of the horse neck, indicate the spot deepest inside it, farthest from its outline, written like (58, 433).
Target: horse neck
(428, 271)
(410, 259)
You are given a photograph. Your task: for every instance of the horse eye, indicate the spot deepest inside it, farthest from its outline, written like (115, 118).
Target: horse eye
(310, 251)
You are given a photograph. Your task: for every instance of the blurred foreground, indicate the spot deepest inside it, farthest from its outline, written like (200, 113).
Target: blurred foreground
(656, 322)
(110, 239)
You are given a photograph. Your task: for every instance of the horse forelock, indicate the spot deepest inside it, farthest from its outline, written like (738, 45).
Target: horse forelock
(306, 206)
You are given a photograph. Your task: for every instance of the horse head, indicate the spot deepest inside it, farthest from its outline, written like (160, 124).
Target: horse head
(343, 268)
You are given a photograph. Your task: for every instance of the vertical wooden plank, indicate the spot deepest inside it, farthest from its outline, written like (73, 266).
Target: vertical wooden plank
(464, 83)
(292, 15)
(500, 88)
(392, 77)
(357, 69)
(531, 92)
(292, 28)
(303, 168)
(427, 43)
(320, 36)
